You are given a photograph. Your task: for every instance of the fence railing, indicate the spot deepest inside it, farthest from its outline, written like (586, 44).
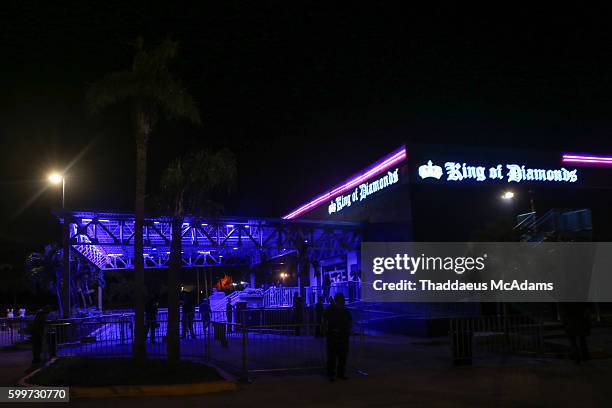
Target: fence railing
(14, 330)
(279, 297)
(246, 350)
(113, 337)
(239, 348)
(273, 340)
(483, 336)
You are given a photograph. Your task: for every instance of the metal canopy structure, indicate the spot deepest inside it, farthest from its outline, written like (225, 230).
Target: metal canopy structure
(106, 239)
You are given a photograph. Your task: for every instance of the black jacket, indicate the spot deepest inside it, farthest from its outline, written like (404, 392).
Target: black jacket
(338, 322)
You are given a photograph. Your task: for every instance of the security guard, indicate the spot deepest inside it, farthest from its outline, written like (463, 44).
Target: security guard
(338, 322)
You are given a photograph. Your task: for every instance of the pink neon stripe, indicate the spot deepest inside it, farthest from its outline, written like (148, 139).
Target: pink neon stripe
(390, 161)
(587, 158)
(587, 161)
(341, 189)
(377, 169)
(382, 167)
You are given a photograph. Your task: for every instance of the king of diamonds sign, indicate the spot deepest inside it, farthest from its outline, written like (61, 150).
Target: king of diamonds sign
(511, 173)
(364, 191)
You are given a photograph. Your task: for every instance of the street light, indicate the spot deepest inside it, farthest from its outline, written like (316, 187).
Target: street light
(56, 178)
(508, 195)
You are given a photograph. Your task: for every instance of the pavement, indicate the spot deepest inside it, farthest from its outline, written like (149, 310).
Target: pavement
(14, 364)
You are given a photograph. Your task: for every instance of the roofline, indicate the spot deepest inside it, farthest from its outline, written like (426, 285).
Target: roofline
(98, 215)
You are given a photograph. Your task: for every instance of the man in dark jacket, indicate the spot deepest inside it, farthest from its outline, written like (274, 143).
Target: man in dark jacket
(319, 310)
(338, 323)
(576, 319)
(151, 317)
(229, 311)
(188, 315)
(205, 314)
(298, 313)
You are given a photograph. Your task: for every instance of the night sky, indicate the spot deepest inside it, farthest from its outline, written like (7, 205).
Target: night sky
(304, 94)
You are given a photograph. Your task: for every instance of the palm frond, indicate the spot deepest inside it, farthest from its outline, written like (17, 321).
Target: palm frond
(112, 88)
(173, 99)
(150, 82)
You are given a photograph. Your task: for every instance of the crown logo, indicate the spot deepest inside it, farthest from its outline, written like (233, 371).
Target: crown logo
(429, 170)
(332, 207)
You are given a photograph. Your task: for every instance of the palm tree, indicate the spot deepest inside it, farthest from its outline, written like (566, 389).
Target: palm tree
(152, 91)
(186, 187)
(45, 269)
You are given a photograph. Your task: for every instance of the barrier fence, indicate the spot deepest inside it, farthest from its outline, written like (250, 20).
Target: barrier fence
(239, 348)
(245, 350)
(14, 330)
(269, 340)
(484, 336)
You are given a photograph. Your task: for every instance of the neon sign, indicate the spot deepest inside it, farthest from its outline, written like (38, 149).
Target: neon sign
(512, 173)
(363, 191)
(384, 164)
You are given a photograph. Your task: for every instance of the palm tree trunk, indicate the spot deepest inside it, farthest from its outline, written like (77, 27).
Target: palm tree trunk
(139, 346)
(173, 344)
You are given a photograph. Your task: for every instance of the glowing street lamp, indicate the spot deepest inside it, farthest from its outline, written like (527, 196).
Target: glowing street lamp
(57, 178)
(508, 195)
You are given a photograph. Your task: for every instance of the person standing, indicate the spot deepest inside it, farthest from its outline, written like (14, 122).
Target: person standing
(319, 310)
(229, 312)
(151, 318)
(339, 322)
(326, 285)
(298, 313)
(188, 314)
(205, 314)
(576, 317)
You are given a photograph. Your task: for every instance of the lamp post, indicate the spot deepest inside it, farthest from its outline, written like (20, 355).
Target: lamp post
(57, 178)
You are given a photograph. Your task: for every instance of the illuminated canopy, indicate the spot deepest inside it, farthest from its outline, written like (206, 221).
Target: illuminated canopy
(107, 239)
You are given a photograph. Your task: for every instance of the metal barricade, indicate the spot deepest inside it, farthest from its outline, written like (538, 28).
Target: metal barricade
(248, 350)
(487, 336)
(14, 330)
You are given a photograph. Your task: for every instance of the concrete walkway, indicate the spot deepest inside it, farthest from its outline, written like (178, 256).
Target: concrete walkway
(13, 365)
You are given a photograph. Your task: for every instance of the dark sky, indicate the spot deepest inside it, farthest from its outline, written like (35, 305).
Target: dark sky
(305, 94)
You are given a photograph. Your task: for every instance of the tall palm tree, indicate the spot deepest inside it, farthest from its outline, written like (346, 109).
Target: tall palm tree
(45, 269)
(186, 187)
(152, 91)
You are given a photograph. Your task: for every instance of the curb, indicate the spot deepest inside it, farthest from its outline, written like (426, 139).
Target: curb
(23, 382)
(151, 390)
